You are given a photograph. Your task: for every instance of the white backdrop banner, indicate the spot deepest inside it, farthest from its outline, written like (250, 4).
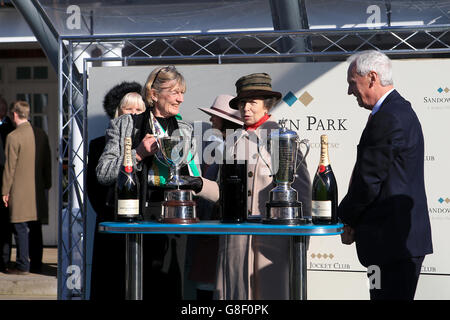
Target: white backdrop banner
(315, 102)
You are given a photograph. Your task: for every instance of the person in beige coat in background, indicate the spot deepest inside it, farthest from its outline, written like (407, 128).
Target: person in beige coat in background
(18, 188)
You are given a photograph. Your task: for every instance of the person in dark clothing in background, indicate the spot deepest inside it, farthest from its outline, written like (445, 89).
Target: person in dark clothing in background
(6, 127)
(43, 181)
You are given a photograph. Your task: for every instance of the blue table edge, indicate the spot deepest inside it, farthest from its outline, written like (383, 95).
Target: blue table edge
(215, 227)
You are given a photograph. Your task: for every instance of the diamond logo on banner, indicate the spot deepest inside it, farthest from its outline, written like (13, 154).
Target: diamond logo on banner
(320, 255)
(305, 98)
(290, 98)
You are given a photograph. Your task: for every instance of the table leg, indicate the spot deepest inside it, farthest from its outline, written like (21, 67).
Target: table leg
(133, 281)
(297, 268)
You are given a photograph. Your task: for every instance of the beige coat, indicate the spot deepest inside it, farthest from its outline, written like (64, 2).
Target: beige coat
(19, 174)
(256, 267)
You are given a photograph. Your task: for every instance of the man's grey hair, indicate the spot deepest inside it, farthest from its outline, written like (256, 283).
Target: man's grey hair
(372, 60)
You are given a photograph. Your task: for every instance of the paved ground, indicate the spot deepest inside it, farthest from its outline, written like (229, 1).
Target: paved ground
(42, 286)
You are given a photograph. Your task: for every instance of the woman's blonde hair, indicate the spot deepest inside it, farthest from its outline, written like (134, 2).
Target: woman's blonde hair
(132, 98)
(157, 78)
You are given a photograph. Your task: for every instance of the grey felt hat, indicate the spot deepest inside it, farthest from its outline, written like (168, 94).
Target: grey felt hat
(255, 85)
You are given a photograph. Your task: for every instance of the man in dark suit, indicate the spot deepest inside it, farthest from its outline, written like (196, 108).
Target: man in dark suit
(385, 210)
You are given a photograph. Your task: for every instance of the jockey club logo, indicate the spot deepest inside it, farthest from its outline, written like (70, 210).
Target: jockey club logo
(322, 261)
(305, 98)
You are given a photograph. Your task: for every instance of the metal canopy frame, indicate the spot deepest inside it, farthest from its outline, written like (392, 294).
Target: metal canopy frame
(240, 47)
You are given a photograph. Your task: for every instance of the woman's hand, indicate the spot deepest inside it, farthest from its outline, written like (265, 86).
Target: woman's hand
(147, 147)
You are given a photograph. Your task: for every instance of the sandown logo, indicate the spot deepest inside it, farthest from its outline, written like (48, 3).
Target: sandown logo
(304, 98)
(438, 99)
(441, 211)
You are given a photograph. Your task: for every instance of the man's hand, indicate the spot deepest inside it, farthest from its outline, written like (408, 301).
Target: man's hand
(147, 147)
(6, 200)
(348, 236)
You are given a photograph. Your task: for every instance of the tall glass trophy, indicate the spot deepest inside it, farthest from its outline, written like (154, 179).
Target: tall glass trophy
(178, 206)
(283, 206)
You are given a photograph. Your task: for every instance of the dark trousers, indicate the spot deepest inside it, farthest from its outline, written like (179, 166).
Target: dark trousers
(5, 238)
(20, 231)
(35, 245)
(108, 267)
(398, 280)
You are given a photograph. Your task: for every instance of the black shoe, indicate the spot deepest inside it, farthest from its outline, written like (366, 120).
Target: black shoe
(36, 269)
(4, 266)
(16, 272)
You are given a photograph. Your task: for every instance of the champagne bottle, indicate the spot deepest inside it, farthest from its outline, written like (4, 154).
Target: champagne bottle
(127, 188)
(324, 189)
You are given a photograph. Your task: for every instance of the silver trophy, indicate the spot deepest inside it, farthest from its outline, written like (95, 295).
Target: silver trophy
(178, 207)
(283, 206)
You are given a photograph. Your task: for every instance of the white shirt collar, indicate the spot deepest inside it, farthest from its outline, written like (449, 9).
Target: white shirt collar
(377, 105)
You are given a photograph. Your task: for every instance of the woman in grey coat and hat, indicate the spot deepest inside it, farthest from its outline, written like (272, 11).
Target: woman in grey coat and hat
(249, 266)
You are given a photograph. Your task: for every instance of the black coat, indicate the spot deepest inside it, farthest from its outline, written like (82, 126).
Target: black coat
(43, 173)
(101, 197)
(386, 202)
(5, 128)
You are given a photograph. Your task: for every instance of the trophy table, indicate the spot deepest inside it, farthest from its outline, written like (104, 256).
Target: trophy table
(178, 206)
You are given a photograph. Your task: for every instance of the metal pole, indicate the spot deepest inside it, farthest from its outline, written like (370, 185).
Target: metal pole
(133, 280)
(291, 15)
(70, 240)
(297, 268)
